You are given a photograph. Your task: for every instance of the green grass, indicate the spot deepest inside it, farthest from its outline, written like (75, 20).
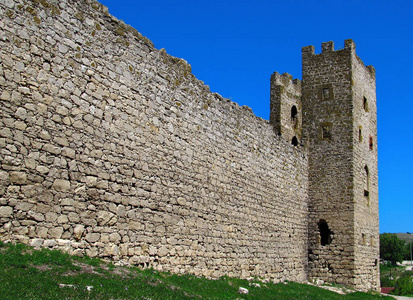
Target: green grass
(26, 273)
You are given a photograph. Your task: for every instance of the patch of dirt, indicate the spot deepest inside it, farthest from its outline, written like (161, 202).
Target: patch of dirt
(42, 267)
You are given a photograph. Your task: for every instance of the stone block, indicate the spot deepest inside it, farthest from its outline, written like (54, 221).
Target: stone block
(114, 237)
(42, 232)
(42, 208)
(36, 242)
(18, 177)
(5, 95)
(78, 231)
(55, 232)
(6, 212)
(61, 185)
(49, 243)
(163, 251)
(105, 217)
(62, 219)
(134, 225)
(36, 216)
(92, 237)
(73, 217)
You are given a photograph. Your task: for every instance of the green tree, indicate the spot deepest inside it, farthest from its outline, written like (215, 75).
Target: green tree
(407, 250)
(404, 284)
(391, 248)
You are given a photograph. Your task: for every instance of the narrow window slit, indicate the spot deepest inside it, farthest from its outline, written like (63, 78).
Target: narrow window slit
(365, 104)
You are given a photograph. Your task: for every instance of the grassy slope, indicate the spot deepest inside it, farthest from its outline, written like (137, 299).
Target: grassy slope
(31, 274)
(405, 237)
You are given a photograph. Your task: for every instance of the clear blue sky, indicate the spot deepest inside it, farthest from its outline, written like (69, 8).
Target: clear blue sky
(234, 47)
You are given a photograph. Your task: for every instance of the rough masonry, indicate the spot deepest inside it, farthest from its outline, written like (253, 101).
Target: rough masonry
(112, 148)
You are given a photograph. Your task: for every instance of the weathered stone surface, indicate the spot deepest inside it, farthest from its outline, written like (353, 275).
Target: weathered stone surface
(78, 231)
(36, 216)
(55, 233)
(105, 217)
(6, 212)
(18, 177)
(134, 225)
(61, 185)
(92, 237)
(36, 242)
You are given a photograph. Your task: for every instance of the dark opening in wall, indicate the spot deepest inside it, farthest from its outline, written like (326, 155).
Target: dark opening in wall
(325, 94)
(294, 141)
(371, 143)
(366, 183)
(360, 135)
(325, 233)
(365, 104)
(363, 239)
(294, 112)
(326, 132)
(294, 116)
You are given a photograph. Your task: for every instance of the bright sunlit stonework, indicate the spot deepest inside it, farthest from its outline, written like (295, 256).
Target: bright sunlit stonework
(112, 148)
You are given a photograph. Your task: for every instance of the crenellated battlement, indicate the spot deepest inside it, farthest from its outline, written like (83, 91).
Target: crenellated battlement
(285, 79)
(328, 47)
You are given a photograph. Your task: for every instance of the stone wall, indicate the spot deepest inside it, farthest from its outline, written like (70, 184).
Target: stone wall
(112, 148)
(366, 175)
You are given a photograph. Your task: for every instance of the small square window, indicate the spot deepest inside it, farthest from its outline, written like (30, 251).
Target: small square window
(326, 93)
(326, 132)
(363, 239)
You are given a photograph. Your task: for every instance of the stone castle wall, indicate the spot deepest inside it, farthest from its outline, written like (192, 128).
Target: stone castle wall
(112, 148)
(367, 236)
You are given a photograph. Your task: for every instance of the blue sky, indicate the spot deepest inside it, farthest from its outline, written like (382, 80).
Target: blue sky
(234, 47)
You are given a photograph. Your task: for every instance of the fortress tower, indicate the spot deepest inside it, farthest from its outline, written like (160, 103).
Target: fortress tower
(285, 107)
(339, 128)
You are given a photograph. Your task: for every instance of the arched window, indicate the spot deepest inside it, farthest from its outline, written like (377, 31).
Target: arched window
(325, 233)
(294, 141)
